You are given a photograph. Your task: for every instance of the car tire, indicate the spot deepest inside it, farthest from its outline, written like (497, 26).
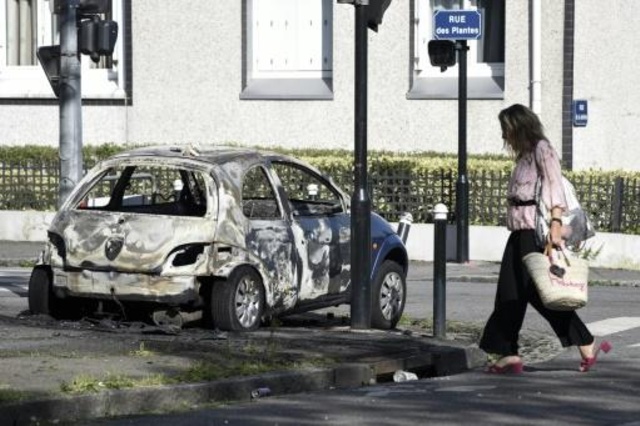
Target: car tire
(42, 299)
(238, 302)
(388, 295)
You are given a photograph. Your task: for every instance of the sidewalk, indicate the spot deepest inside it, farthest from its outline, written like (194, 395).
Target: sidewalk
(316, 351)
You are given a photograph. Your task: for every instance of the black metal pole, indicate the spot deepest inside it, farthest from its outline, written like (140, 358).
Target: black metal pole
(462, 185)
(440, 271)
(360, 202)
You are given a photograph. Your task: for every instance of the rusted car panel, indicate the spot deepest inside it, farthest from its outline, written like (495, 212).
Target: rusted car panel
(128, 287)
(129, 242)
(180, 228)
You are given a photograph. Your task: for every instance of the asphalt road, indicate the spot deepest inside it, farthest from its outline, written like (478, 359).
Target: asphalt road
(550, 392)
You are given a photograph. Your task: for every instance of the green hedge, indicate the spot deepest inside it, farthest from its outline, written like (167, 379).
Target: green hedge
(398, 182)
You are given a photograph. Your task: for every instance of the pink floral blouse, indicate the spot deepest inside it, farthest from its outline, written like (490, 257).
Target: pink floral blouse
(522, 186)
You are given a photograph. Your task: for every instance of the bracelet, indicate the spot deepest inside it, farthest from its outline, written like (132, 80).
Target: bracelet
(555, 219)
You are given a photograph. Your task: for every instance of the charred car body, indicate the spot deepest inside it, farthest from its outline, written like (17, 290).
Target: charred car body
(242, 235)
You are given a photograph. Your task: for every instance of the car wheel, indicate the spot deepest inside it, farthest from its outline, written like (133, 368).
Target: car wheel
(42, 299)
(39, 283)
(238, 303)
(389, 292)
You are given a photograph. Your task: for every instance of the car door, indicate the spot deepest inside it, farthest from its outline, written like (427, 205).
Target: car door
(269, 238)
(321, 230)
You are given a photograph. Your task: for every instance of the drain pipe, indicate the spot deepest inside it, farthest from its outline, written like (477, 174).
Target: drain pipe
(536, 56)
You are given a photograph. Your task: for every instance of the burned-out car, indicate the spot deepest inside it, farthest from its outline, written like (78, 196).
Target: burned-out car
(240, 234)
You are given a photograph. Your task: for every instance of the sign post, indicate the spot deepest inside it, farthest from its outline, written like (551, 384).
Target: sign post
(368, 15)
(460, 26)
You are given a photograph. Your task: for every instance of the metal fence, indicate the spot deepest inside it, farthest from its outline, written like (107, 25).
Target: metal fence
(612, 201)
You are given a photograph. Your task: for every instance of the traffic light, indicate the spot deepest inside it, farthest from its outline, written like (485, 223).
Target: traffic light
(85, 7)
(97, 38)
(49, 57)
(375, 10)
(442, 53)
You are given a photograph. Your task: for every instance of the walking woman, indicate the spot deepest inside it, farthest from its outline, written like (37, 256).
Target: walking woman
(524, 137)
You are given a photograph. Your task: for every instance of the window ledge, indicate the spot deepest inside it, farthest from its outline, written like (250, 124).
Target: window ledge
(288, 89)
(447, 88)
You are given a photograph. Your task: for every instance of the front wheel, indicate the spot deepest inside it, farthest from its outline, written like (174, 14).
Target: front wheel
(237, 304)
(388, 295)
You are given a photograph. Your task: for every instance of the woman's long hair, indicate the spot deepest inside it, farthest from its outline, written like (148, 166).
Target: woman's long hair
(521, 129)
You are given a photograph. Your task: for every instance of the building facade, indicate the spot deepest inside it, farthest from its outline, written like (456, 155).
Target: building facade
(281, 73)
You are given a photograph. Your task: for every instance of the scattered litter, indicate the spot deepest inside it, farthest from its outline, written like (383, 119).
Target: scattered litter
(404, 376)
(260, 393)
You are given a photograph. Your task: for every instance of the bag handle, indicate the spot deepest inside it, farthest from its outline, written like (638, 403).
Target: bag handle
(548, 250)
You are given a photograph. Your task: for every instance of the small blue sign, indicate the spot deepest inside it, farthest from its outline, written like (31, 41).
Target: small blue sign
(457, 25)
(580, 112)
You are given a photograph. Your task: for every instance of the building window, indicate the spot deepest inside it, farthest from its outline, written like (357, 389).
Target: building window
(288, 47)
(30, 24)
(485, 58)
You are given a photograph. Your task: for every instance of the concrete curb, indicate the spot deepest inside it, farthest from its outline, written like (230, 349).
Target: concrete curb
(444, 360)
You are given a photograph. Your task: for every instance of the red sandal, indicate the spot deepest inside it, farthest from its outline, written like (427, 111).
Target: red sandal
(587, 363)
(513, 368)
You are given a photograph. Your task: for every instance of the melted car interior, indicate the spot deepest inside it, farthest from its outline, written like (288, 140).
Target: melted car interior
(148, 190)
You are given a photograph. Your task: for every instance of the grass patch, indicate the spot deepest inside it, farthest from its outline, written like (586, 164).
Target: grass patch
(90, 384)
(10, 395)
(247, 358)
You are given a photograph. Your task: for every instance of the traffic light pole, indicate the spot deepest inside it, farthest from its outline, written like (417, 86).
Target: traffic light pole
(462, 184)
(360, 202)
(70, 102)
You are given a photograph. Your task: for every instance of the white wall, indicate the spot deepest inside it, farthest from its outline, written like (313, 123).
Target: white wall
(606, 68)
(187, 74)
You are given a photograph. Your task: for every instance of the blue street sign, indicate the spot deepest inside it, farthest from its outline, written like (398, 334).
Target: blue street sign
(457, 25)
(580, 112)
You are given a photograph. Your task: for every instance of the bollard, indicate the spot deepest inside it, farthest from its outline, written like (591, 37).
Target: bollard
(404, 225)
(439, 270)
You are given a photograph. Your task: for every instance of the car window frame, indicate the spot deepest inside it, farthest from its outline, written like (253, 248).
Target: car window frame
(327, 182)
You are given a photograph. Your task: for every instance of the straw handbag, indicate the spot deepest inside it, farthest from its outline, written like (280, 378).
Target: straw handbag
(561, 280)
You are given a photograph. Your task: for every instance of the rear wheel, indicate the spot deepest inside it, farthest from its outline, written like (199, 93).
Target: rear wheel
(237, 304)
(39, 283)
(42, 299)
(388, 295)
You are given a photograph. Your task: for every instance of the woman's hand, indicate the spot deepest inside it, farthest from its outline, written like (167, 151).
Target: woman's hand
(555, 227)
(555, 233)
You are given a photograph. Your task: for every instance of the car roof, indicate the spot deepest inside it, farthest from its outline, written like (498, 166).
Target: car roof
(208, 154)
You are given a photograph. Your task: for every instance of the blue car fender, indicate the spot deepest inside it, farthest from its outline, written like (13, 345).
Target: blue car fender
(386, 245)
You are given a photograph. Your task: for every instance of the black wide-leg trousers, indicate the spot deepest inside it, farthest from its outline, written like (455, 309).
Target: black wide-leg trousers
(515, 291)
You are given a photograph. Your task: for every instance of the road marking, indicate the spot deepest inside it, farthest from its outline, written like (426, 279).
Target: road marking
(613, 325)
(18, 289)
(637, 345)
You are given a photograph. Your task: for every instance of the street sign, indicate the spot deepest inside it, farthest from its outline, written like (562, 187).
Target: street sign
(580, 112)
(457, 25)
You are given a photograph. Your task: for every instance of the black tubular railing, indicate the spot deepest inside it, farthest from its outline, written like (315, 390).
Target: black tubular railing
(613, 201)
